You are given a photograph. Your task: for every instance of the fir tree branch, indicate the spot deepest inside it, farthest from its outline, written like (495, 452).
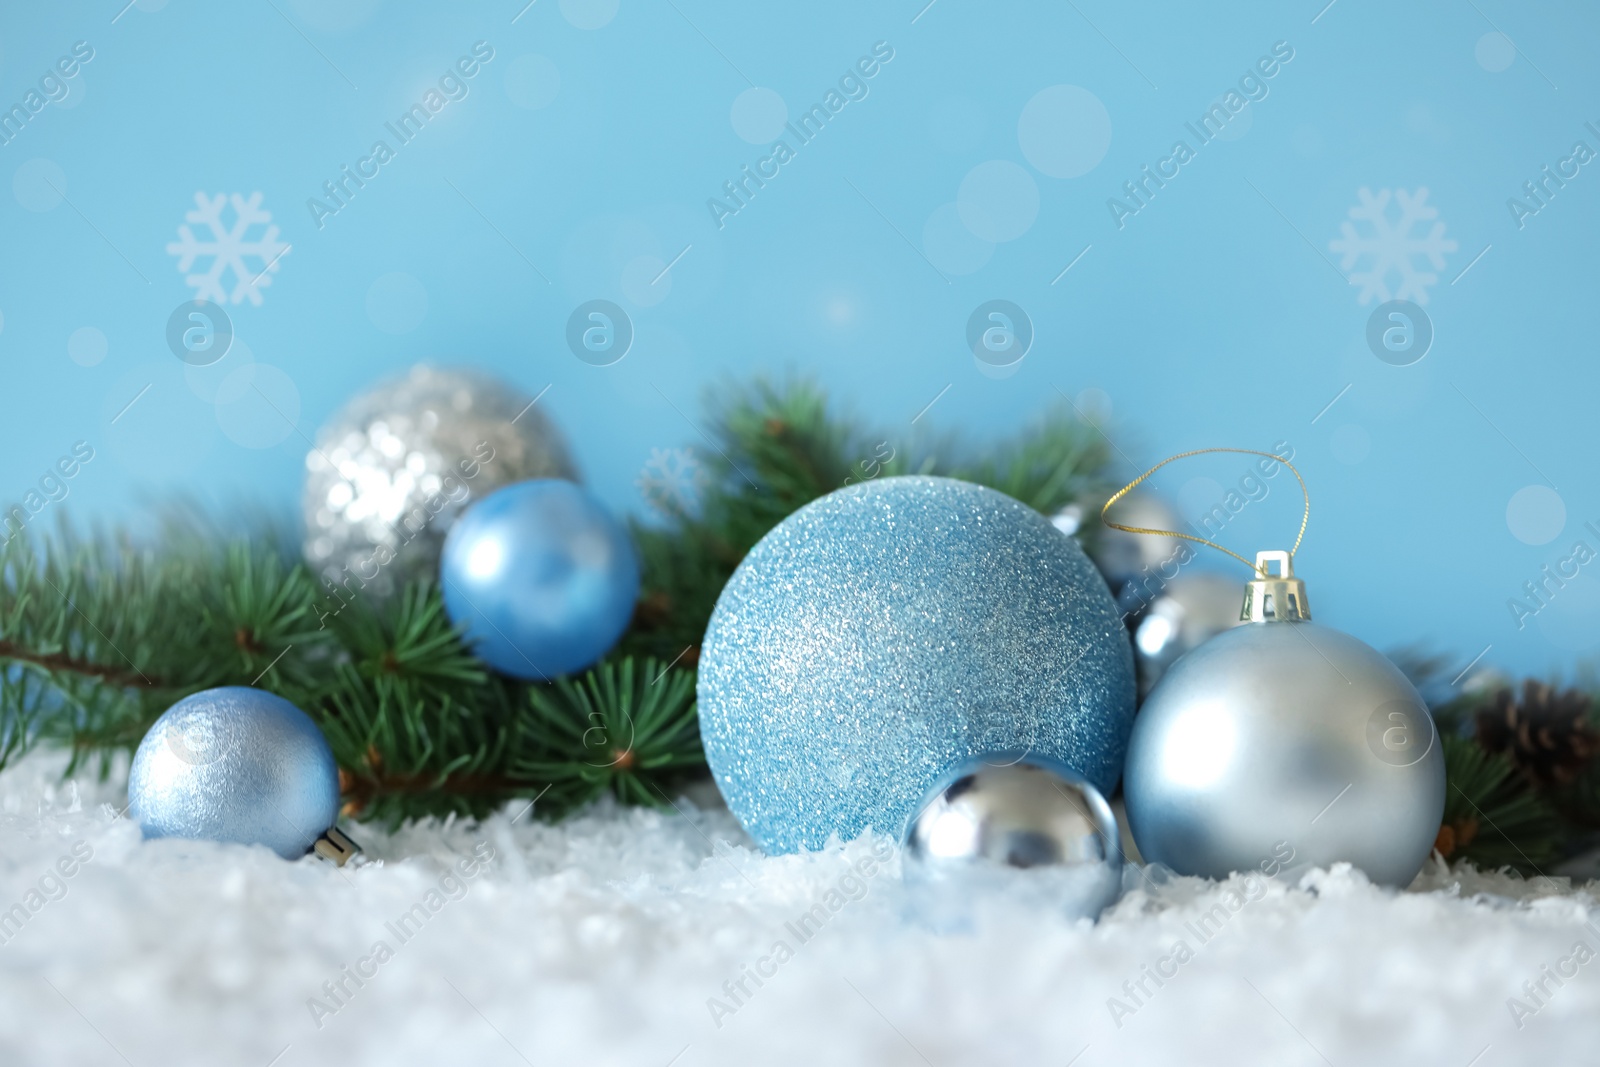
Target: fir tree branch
(58, 661)
(777, 448)
(1491, 817)
(99, 636)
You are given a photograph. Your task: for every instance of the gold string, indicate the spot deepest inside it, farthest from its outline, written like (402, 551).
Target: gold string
(1125, 490)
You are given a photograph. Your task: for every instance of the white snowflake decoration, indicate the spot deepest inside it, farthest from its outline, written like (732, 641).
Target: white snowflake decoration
(671, 480)
(1395, 246)
(229, 248)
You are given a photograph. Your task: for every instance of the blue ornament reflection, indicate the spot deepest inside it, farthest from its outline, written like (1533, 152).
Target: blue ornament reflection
(543, 578)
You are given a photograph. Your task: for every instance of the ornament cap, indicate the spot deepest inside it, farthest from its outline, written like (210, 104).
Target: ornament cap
(1279, 597)
(337, 848)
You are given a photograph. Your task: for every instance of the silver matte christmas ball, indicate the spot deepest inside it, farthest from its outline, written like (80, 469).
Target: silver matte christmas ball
(1014, 824)
(1285, 735)
(235, 764)
(395, 466)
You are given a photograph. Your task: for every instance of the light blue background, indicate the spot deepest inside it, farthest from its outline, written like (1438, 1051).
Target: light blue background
(1217, 316)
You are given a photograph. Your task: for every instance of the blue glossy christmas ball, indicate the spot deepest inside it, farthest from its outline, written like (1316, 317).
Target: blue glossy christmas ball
(543, 578)
(235, 764)
(891, 630)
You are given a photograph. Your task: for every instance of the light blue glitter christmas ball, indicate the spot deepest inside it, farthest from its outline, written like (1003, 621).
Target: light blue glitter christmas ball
(542, 576)
(883, 634)
(235, 764)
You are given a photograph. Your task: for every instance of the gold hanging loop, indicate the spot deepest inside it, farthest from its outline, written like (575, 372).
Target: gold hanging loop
(1257, 567)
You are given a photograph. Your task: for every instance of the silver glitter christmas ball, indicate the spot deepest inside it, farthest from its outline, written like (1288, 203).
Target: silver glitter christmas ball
(235, 764)
(395, 466)
(1285, 739)
(878, 636)
(1018, 825)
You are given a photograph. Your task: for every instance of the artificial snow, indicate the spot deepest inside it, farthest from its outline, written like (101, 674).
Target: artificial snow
(641, 938)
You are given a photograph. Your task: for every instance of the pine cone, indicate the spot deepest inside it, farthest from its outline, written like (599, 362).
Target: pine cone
(1454, 836)
(1548, 735)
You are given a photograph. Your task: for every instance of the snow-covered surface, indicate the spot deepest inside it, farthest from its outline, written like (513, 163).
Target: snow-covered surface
(601, 941)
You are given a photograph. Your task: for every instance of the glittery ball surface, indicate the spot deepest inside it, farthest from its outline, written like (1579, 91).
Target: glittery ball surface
(235, 764)
(391, 471)
(883, 634)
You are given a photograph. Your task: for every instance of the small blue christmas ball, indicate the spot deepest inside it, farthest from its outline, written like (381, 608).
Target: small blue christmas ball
(891, 630)
(542, 577)
(235, 764)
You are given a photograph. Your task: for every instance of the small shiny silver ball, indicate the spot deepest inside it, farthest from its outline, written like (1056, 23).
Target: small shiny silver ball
(1280, 739)
(1017, 824)
(1185, 613)
(396, 465)
(235, 764)
(1124, 557)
